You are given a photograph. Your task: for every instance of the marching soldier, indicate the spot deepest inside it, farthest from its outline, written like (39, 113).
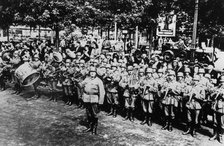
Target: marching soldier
(67, 84)
(36, 64)
(93, 95)
(149, 89)
(113, 79)
(187, 77)
(15, 62)
(169, 101)
(130, 86)
(218, 109)
(196, 94)
(180, 87)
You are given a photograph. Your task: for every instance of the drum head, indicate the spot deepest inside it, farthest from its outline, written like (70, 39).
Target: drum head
(31, 79)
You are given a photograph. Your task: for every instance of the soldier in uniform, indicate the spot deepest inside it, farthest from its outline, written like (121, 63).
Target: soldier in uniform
(67, 84)
(187, 77)
(196, 94)
(93, 95)
(113, 79)
(127, 83)
(170, 100)
(15, 62)
(218, 109)
(36, 64)
(149, 90)
(180, 87)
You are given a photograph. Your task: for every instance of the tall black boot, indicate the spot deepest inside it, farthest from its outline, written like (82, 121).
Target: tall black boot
(90, 126)
(79, 103)
(16, 88)
(145, 119)
(127, 115)
(170, 124)
(188, 129)
(111, 111)
(194, 128)
(166, 126)
(220, 135)
(132, 115)
(149, 120)
(95, 125)
(215, 134)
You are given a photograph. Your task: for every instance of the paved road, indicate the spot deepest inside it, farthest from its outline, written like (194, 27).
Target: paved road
(25, 122)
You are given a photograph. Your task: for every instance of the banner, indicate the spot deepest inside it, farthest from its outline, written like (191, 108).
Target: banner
(166, 25)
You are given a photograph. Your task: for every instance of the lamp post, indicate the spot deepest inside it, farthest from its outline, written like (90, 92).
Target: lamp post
(125, 32)
(194, 35)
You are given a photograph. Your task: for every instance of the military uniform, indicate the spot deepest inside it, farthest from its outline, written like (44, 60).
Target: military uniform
(67, 84)
(129, 84)
(93, 94)
(149, 89)
(112, 91)
(218, 109)
(196, 95)
(170, 100)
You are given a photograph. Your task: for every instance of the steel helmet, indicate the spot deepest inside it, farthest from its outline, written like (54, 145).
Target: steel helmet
(141, 70)
(187, 70)
(149, 70)
(180, 74)
(201, 70)
(172, 73)
(196, 78)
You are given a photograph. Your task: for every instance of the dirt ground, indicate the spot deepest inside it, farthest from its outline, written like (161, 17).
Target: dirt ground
(26, 122)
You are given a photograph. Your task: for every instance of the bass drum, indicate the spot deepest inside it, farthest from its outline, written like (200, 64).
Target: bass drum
(26, 74)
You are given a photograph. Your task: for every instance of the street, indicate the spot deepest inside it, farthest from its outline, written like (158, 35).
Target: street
(42, 122)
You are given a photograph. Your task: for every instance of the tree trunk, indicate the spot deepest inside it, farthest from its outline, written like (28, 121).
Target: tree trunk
(101, 31)
(108, 37)
(30, 30)
(39, 32)
(7, 31)
(57, 38)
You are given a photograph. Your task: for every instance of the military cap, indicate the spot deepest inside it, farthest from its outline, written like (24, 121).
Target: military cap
(79, 54)
(180, 74)
(201, 70)
(160, 70)
(222, 79)
(149, 70)
(95, 61)
(208, 76)
(169, 67)
(187, 70)
(154, 67)
(141, 70)
(135, 65)
(92, 69)
(172, 73)
(123, 65)
(82, 61)
(130, 68)
(196, 78)
(36, 56)
(108, 66)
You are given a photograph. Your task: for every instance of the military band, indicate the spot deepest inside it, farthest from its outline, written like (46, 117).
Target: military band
(172, 90)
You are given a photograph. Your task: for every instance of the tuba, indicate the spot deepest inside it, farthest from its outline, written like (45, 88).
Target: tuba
(168, 56)
(57, 57)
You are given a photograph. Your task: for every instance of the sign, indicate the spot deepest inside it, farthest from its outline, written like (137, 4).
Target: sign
(166, 25)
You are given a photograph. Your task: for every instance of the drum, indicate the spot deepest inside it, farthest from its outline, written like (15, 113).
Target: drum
(26, 74)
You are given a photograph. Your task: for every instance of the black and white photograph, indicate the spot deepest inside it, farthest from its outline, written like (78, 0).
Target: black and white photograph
(111, 72)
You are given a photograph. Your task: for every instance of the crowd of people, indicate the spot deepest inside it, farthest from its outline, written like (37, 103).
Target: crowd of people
(134, 84)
